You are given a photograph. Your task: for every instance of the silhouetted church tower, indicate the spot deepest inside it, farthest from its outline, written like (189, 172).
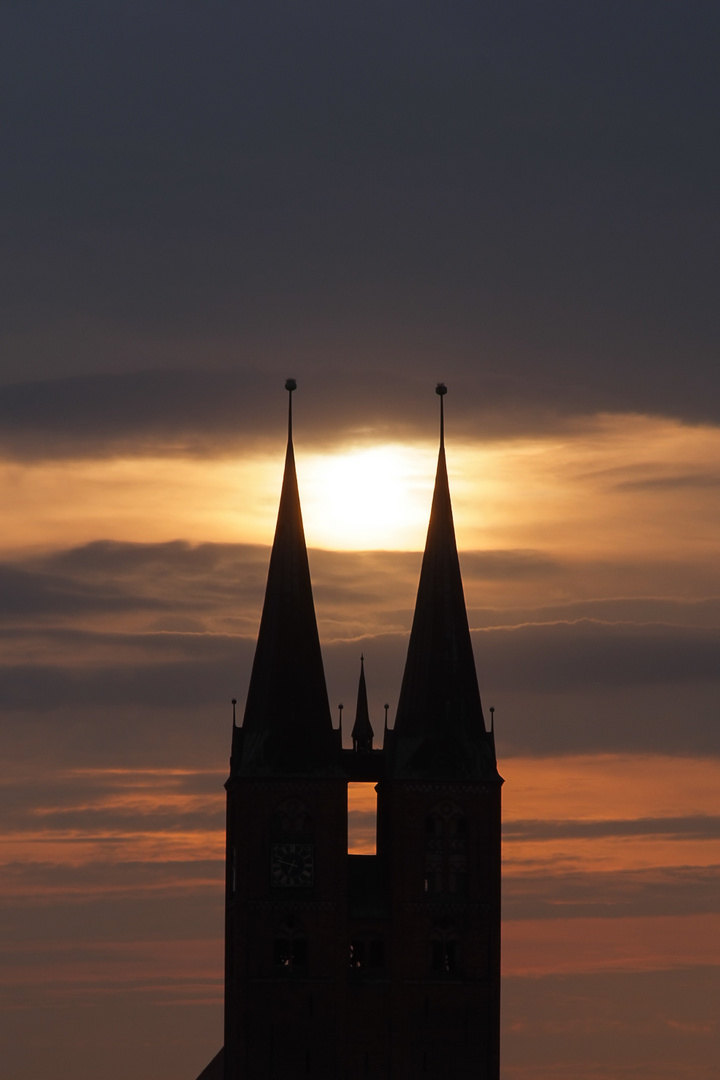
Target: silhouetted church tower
(354, 967)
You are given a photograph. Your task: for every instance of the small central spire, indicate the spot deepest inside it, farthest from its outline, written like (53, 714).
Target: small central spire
(362, 732)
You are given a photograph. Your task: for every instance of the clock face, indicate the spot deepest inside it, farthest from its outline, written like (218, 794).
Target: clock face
(291, 865)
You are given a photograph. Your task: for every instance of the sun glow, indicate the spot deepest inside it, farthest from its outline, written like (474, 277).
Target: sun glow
(615, 487)
(374, 497)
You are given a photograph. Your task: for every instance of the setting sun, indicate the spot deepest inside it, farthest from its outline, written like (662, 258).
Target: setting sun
(375, 497)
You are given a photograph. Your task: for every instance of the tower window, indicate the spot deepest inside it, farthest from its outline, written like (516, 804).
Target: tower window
(367, 954)
(290, 954)
(444, 957)
(445, 850)
(290, 947)
(357, 953)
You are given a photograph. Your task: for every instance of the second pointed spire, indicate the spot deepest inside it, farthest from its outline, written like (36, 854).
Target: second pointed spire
(439, 730)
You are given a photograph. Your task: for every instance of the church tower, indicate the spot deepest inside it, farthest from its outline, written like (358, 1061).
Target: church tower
(286, 887)
(439, 833)
(362, 967)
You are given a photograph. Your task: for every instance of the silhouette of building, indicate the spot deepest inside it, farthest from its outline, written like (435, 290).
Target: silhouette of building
(354, 967)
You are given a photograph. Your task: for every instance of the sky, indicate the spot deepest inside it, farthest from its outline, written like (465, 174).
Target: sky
(199, 201)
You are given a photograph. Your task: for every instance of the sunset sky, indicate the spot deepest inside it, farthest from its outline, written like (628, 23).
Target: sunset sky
(200, 200)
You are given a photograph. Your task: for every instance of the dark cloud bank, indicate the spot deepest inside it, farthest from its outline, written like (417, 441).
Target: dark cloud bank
(524, 190)
(211, 412)
(128, 639)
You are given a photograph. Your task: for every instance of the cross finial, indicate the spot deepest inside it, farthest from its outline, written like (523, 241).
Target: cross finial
(234, 703)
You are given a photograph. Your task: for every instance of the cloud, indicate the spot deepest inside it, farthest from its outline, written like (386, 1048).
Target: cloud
(356, 593)
(624, 1025)
(587, 653)
(29, 593)
(190, 673)
(220, 410)
(616, 609)
(682, 481)
(692, 827)
(43, 687)
(386, 191)
(142, 632)
(508, 565)
(111, 578)
(662, 890)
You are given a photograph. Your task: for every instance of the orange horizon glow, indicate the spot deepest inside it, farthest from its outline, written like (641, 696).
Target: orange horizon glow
(619, 511)
(573, 789)
(612, 486)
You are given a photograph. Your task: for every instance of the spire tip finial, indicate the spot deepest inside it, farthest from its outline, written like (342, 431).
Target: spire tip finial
(290, 385)
(441, 391)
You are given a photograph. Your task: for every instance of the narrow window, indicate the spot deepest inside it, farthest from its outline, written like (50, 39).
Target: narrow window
(290, 954)
(366, 955)
(282, 953)
(444, 957)
(445, 850)
(362, 819)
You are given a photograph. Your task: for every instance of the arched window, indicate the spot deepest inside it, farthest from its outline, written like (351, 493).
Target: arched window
(446, 850)
(290, 948)
(445, 950)
(444, 956)
(367, 954)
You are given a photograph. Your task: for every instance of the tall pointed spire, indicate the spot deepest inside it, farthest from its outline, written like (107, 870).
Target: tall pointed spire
(287, 726)
(439, 729)
(362, 732)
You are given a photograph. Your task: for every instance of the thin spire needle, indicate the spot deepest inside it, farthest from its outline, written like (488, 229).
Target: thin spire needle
(290, 385)
(441, 390)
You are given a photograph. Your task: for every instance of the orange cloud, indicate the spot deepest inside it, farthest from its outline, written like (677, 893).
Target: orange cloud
(565, 946)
